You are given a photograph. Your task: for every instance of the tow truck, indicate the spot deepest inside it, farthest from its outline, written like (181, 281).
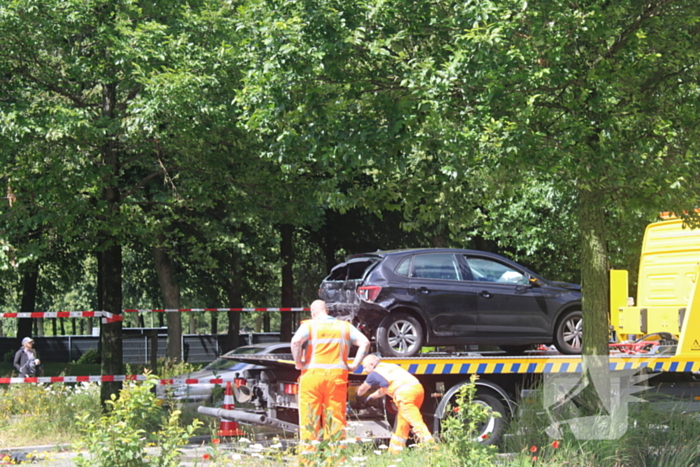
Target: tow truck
(667, 317)
(270, 394)
(667, 271)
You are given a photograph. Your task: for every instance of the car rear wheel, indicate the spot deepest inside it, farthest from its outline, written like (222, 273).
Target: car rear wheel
(400, 335)
(568, 334)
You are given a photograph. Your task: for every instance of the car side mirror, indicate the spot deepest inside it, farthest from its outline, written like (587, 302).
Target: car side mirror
(534, 282)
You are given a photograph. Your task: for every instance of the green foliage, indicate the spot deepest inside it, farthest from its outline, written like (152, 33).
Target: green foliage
(134, 422)
(91, 356)
(167, 368)
(460, 429)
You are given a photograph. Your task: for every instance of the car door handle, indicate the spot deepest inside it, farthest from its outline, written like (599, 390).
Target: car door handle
(424, 290)
(485, 294)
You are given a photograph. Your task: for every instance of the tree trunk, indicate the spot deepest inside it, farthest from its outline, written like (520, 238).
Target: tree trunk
(287, 253)
(29, 288)
(214, 323)
(594, 273)
(594, 278)
(234, 295)
(111, 335)
(329, 241)
(171, 298)
(110, 266)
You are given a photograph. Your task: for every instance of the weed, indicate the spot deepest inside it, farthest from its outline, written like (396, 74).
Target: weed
(133, 424)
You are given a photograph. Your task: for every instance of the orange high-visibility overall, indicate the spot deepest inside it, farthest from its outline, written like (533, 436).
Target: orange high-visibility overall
(323, 384)
(408, 394)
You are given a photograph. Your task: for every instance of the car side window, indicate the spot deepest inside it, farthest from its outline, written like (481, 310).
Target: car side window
(404, 267)
(486, 270)
(436, 266)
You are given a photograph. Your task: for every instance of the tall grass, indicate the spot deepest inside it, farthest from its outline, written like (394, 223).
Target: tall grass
(656, 436)
(41, 414)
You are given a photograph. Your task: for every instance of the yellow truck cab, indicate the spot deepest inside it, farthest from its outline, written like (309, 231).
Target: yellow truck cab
(668, 269)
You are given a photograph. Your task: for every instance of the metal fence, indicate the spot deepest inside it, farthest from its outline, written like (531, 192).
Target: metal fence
(196, 348)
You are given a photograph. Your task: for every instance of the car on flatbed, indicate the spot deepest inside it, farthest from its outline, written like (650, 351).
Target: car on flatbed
(406, 299)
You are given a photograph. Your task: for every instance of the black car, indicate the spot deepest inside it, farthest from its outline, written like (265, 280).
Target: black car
(406, 299)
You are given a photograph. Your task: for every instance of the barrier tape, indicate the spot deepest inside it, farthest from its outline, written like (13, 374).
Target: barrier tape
(108, 317)
(171, 310)
(110, 378)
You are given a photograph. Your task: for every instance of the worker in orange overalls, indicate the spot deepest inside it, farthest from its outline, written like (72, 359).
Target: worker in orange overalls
(407, 393)
(323, 384)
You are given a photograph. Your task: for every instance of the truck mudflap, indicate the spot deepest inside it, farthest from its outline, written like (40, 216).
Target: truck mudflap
(248, 417)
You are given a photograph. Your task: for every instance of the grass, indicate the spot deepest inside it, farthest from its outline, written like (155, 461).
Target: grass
(37, 414)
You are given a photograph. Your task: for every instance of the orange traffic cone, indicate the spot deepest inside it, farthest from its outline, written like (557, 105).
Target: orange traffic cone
(229, 427)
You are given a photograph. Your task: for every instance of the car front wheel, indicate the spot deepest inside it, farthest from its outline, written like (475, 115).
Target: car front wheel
(568, 334)
(400, 335)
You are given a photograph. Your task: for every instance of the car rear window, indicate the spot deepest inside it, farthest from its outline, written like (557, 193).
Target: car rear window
(352, 270)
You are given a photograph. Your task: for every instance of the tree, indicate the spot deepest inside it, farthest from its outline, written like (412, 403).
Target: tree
(458, 99)
(78, 73)
(599, 99)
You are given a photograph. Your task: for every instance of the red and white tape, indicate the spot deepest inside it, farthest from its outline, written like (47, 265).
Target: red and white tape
(108, 378)
(184, 310)
(106, 316)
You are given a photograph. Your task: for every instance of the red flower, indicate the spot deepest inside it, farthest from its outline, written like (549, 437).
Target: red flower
(555, 444)
(456, 410)
(485, 436)
(216, 441)
(533, 449)
(534, 458)
(206, 457)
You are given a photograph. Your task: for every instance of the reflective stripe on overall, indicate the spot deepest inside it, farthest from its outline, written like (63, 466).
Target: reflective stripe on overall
(323, 384)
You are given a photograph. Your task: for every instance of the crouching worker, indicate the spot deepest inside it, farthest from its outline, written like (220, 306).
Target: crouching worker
(407, 393)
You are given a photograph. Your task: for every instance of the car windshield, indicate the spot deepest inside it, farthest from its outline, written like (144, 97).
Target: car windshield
(225, 364)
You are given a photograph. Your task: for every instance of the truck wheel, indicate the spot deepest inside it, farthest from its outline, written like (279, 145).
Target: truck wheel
(490, 431)
(399, 335)
(568, 333)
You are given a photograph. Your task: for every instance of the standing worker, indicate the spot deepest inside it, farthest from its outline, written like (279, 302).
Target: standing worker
(407, 393)
(26, 361)
(323, 385)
